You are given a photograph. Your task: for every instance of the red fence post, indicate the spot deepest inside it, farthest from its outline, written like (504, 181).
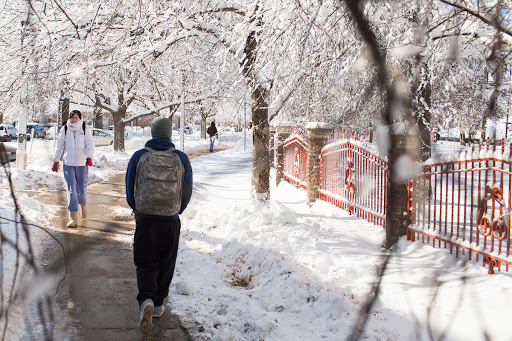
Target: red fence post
(282, 133)
(397, 213)
(318, 134)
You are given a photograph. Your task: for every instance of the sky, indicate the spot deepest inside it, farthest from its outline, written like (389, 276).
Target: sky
(286, 271)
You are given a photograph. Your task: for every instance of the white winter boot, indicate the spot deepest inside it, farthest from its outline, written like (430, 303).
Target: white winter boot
(73, 217)
(83, 208)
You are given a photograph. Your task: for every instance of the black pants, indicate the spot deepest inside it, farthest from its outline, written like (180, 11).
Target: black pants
(155, 249)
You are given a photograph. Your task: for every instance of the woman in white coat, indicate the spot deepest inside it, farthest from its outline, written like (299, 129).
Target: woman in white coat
(75, 141)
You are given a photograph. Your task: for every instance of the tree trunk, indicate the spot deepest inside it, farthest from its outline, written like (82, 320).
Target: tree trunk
(98, 118)
(203, 127)
(260, 182)
(484, 128)
(423, 111)
(118, 131)
(260, 158)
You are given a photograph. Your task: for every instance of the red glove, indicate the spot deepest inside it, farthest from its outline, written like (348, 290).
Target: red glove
(55, 166)
(89, 162)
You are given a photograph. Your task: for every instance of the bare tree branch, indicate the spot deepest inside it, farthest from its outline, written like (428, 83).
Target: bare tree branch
(488, 21)
(67, 16)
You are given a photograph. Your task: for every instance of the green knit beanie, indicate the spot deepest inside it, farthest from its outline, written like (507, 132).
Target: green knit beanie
(161, 126)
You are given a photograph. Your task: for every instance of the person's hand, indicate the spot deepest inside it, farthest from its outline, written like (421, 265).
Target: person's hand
(55, 166)
(89, 162)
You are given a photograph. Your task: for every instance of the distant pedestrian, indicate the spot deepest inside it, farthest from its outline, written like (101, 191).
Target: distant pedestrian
(75, 141)
(212, 132)
(158, 189)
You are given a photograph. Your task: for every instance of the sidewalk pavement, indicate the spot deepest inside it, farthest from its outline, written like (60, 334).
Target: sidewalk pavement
(98, 296)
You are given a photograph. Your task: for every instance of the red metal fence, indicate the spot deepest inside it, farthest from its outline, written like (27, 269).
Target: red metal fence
(295, 161)
(465, 205)
(354, 179)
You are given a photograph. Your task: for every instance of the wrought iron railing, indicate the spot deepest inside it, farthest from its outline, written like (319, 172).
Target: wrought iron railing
(354, 179)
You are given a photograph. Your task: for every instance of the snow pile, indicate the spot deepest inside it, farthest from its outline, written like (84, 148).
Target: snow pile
(283, 271)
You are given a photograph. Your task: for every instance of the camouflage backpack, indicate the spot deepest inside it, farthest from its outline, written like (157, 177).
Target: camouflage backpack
(159, 182)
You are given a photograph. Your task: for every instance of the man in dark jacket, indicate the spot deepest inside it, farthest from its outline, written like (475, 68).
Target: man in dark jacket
(156, 239)
(212, 132)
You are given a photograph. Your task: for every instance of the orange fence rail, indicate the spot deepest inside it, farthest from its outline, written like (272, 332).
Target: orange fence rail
(354, 179)
(295, 161)
(465, 205)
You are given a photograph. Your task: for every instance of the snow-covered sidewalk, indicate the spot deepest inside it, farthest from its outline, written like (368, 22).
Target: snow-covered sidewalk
(283, 271)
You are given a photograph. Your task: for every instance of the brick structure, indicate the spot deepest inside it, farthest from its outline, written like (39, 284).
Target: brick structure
(318, 134)
(397, 216)
(281, 134)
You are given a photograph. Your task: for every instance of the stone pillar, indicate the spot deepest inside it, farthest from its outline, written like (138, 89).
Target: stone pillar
(318, 134)
(271, 147)
(282, 133)
(397, 215)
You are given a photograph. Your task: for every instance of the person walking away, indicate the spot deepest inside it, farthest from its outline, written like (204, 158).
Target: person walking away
(212, 132)
(76, 143)
(158, 189)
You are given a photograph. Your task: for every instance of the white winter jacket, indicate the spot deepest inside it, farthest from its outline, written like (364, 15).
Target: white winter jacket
(77, 146)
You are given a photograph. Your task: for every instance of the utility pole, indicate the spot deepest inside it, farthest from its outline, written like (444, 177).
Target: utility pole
(21, 152)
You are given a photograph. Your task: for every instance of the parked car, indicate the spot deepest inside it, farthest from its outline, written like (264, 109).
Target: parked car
(227, 130)
(188, 130)
(101, 137)
(39, 131)
(7, 153)
(8, 132)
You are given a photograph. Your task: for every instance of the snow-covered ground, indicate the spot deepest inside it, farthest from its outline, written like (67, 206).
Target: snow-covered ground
(284, 271)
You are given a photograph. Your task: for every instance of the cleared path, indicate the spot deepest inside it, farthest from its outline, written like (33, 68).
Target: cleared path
(97, 300)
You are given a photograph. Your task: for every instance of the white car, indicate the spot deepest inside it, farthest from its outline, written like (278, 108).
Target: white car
(8, 132)
(101, 137)
(188, 130)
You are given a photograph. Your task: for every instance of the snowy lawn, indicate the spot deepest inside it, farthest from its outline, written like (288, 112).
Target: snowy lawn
(283, 271)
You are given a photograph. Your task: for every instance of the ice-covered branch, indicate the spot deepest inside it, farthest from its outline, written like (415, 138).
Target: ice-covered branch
(170, 104)
(67, 16)
(281, 98)
(234, 9)
(203, 27)
(157, 51)
(488, 20)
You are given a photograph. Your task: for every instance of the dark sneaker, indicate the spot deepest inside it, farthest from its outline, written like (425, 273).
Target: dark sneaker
(146, 313)
(159, 311)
